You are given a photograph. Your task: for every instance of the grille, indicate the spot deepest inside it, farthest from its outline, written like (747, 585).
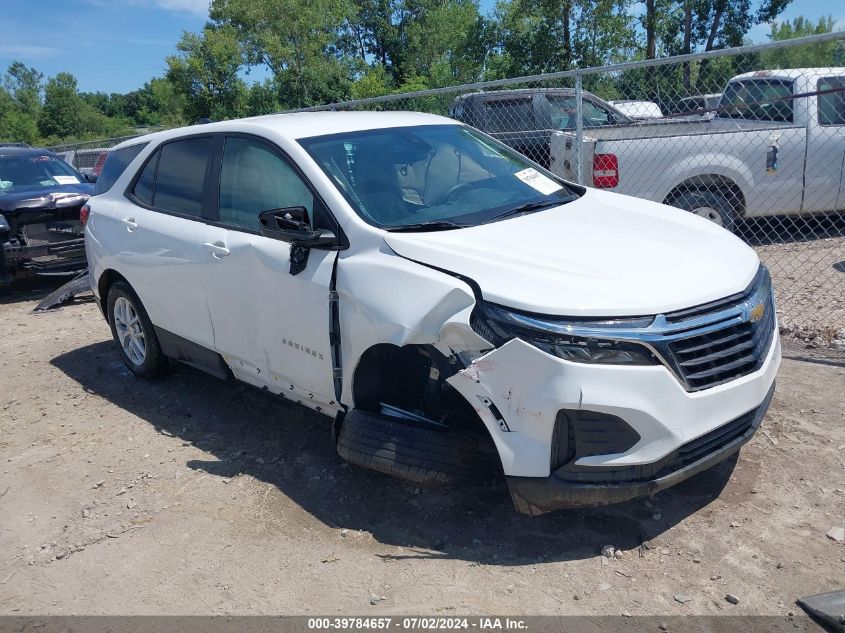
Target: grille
(718, 356)
(711, 442)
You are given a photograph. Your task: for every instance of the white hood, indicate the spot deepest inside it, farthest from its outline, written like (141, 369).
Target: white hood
(602, 255)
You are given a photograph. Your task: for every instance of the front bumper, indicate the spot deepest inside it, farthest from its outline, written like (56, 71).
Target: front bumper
(52, 247)
(518, 392)
(537, 495)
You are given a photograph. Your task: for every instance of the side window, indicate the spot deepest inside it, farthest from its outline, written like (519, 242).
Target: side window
(254, 179)
(594, 116)
(180, 178)
(562, 111)
(116, 163)
(510, 115)
(832, 104)
(145, 184)
(758, 100)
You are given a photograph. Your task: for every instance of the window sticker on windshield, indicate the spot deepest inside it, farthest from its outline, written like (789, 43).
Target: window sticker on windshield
(538, 181)
(66, 180)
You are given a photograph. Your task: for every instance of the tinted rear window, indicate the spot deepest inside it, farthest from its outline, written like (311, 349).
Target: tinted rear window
(180, 177)
(116, 163)
(510, 115)
(146, 181)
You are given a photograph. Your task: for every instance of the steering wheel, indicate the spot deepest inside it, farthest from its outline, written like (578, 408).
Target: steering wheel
(454, 192)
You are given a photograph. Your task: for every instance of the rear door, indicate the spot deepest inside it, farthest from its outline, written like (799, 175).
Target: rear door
(271, 326)
(513, 121)
(163, 233)
(825, 146)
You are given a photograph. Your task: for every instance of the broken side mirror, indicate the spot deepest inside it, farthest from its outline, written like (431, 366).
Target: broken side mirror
(292, 224)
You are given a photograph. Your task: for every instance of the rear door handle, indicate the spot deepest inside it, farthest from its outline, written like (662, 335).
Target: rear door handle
(130, 223)
(218, 249)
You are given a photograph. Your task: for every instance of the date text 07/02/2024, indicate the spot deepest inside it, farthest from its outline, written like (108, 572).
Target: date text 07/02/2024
(416, 623)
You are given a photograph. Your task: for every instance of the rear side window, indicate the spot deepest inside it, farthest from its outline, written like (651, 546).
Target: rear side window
(832, 104)
(173, 179)
(180, 178)
(510, 115)
(145, 184)
(116, 163)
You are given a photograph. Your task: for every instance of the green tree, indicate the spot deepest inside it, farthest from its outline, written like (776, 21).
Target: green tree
(18, 127)
(206, 73)
(261, 99)
(25, 86)
(815, 55)
(300, 41)
(555, 35)
(166, 107)
(413, 37)
(60, 117)
(532, 37)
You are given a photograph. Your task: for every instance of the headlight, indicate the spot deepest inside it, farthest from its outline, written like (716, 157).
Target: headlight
(580, 341)
(4, 225)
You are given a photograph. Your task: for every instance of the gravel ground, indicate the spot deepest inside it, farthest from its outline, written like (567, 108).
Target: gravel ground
(809, 281)
(192, 496)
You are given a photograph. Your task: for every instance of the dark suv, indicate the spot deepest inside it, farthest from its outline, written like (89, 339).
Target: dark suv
(40, 201)
(526, 118)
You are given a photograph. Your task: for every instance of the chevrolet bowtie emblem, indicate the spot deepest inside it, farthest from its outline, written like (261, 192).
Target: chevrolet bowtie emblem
(757, 312)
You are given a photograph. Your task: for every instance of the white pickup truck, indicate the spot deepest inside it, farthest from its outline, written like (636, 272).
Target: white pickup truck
(775, 146)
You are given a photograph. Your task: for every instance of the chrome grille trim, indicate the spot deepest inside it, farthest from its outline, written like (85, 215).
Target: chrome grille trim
(703, 346)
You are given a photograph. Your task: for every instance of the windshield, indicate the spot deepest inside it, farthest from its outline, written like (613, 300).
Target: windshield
(433, 177)
(35, 171)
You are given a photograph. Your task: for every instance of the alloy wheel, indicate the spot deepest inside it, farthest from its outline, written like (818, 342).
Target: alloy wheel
(130, 331)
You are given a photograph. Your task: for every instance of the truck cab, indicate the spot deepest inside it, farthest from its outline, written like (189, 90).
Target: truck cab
(525, 119)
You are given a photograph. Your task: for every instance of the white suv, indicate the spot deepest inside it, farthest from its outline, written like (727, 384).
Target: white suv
(447, 301)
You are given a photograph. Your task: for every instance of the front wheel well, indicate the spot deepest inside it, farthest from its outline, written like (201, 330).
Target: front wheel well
(713, 183)
(413, 378)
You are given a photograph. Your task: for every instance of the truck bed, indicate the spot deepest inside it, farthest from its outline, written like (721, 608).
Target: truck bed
(663, 128)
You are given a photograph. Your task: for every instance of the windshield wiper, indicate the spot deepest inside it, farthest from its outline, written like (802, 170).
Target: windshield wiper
(434, 225)
(528, 207)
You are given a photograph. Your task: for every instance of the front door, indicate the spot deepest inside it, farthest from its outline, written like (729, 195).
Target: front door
(271, 327)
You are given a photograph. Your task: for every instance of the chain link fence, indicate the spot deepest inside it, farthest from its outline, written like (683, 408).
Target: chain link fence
(743, 137)
(86, 156)
(751, 138)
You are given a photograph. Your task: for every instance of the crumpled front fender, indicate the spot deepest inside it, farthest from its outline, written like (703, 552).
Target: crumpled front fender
(517, 391)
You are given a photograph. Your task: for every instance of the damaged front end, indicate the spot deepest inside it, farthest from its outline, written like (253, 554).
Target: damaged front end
(588, 412)
(41, 235)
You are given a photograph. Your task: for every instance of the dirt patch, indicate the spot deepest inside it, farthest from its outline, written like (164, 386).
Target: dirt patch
(809, 281)
(193, 496)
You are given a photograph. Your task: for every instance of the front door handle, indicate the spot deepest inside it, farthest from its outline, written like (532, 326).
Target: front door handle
(218, 249)
(130, 223)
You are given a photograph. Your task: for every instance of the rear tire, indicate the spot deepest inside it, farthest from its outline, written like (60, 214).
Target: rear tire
(134, 332)
(707, 204)
(414, 452)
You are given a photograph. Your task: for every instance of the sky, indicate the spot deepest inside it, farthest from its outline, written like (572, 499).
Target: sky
(118, 45)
